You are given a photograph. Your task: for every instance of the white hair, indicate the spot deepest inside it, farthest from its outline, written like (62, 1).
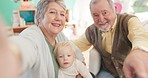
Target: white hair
(111, 3)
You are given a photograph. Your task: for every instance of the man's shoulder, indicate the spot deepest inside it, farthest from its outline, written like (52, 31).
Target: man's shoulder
(125, 15)
(92, 27)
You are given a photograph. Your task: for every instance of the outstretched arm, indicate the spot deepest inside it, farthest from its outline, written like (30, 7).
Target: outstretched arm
(9, 66)
(136, 63)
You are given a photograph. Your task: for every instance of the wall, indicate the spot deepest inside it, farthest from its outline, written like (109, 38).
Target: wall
(7, 7)
(6, 10)
(70, 5)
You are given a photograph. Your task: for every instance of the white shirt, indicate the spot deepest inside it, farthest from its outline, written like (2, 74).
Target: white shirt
(77, 68)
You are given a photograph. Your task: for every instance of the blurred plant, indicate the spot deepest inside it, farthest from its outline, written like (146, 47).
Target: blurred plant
(140, 5)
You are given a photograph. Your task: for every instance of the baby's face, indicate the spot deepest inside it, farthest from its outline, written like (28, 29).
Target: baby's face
(65, 57)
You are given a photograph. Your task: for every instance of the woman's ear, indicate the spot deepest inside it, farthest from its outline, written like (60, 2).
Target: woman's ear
(67, 15)
(40, 22)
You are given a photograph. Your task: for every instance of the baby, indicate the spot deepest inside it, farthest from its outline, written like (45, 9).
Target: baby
(70, 66)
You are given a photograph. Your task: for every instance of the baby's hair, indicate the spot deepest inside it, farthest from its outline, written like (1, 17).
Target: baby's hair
(61, 45)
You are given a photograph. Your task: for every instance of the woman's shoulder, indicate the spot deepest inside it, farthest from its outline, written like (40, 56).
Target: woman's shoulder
(32, 33)
(32, 30)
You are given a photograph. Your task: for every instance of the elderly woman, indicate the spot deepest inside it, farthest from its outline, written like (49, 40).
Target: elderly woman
(36, 43)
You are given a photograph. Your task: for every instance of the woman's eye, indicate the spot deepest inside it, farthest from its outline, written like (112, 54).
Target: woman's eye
(52, 12)
(63, 14)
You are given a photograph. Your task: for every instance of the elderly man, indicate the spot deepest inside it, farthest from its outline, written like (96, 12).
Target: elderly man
(119, 38)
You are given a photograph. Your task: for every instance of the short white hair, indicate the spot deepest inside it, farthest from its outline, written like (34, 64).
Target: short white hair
(111, 3)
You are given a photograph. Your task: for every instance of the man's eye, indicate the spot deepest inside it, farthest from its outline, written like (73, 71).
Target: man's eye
(105, 13)
(96, 16)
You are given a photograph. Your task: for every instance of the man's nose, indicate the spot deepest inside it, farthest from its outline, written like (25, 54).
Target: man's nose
(101, 18)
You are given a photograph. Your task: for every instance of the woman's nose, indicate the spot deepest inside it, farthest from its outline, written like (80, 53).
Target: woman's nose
(58, 17)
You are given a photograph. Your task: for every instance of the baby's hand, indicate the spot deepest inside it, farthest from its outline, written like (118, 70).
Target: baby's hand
(79, 76)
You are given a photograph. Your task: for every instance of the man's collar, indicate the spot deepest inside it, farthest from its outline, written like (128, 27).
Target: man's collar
(112, 28)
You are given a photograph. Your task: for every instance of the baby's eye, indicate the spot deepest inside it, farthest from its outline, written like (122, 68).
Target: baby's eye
(60, 56)
(68, 55)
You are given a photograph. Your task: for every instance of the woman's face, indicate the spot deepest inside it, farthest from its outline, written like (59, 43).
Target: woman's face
(65, 57)
(103, 15)
(54, 18)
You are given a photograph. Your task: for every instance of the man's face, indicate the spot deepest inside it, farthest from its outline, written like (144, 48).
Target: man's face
(103, 15)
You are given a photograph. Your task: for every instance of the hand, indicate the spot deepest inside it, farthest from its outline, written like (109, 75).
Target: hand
(79, 76)
(136, 63)
(8, 62)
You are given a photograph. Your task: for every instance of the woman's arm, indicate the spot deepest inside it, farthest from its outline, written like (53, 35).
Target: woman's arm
(9, 60)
